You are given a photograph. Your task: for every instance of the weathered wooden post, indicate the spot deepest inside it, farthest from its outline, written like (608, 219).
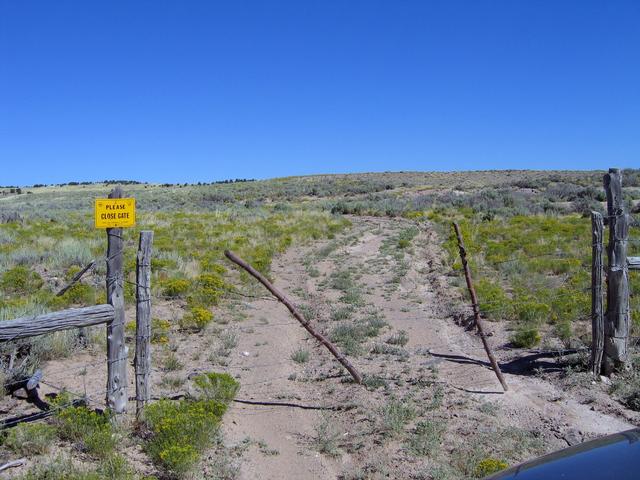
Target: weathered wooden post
(116, 348)
(616, 326)
(143, 321)
(476, 308)
(597, 314)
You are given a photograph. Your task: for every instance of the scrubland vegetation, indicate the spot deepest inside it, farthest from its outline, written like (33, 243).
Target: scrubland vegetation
(527, 234)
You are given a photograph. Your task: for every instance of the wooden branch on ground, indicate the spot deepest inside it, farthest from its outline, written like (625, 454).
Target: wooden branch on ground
(75, 278)
(293, 405)
(13, 463)
(25, 327)
(297, 315)
(476, 309)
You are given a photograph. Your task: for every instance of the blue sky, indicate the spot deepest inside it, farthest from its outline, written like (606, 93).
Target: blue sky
(187, 91)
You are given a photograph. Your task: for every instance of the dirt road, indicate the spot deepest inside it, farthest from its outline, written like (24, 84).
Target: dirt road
(433, 372)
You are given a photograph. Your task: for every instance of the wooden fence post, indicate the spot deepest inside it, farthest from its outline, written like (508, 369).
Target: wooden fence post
(597, 314)
(616, 326)
(143, 321)
(116, 348)
(476, 308)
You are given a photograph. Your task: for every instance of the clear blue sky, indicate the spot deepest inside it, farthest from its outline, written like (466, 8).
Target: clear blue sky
(187, 91)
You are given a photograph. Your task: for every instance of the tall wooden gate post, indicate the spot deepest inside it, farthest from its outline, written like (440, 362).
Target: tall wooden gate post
(116, 348)
(597, 315)
(143, 321)
(616, 326)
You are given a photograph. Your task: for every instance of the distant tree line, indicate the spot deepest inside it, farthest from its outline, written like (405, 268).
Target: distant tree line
(135, 182)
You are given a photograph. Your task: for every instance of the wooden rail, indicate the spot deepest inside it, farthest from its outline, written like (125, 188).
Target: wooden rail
(25, 327)
(633, 263)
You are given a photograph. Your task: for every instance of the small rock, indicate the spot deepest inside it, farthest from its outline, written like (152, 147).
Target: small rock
(245, 354)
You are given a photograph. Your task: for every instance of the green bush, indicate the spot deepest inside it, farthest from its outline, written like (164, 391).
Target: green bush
(525, 338)
(350, 336)
(532, 311)
(400, 338)
(300, 356)
(79, 294)
(494, 303)
(30, 438)
(427, 437)
(181, 431)
(176, 287)
(61, 468)
(20, 280)
(210, 287)
(394, 415)
(488, 466)
(220, 387)
(196, 319)
(93, 431)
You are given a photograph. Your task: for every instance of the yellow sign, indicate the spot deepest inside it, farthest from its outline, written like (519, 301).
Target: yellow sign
(115, 212)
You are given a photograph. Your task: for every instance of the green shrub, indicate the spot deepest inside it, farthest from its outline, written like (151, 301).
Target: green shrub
(210, 287)
(326, 439)
(406, 236)
(160, 331)
(30, 438)
(426, 437)
(350, 336)
(300, 356)
(116, 467)
(532, 311)
(93, 431)
(525, 338)
(394, 415)
(401, 338)
(176, 287)
(494, 302)
(181, 431)
(61, 468)
(196, 319)
(488, 466)
(79, 294)
(20, 280)
(220, 387)
(171, 363)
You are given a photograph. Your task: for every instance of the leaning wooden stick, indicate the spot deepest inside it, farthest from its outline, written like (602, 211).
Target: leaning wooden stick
(298, 316)
(75, 278)
(476, 309)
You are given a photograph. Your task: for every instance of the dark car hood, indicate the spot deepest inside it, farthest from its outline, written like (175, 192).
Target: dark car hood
(614, 457)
